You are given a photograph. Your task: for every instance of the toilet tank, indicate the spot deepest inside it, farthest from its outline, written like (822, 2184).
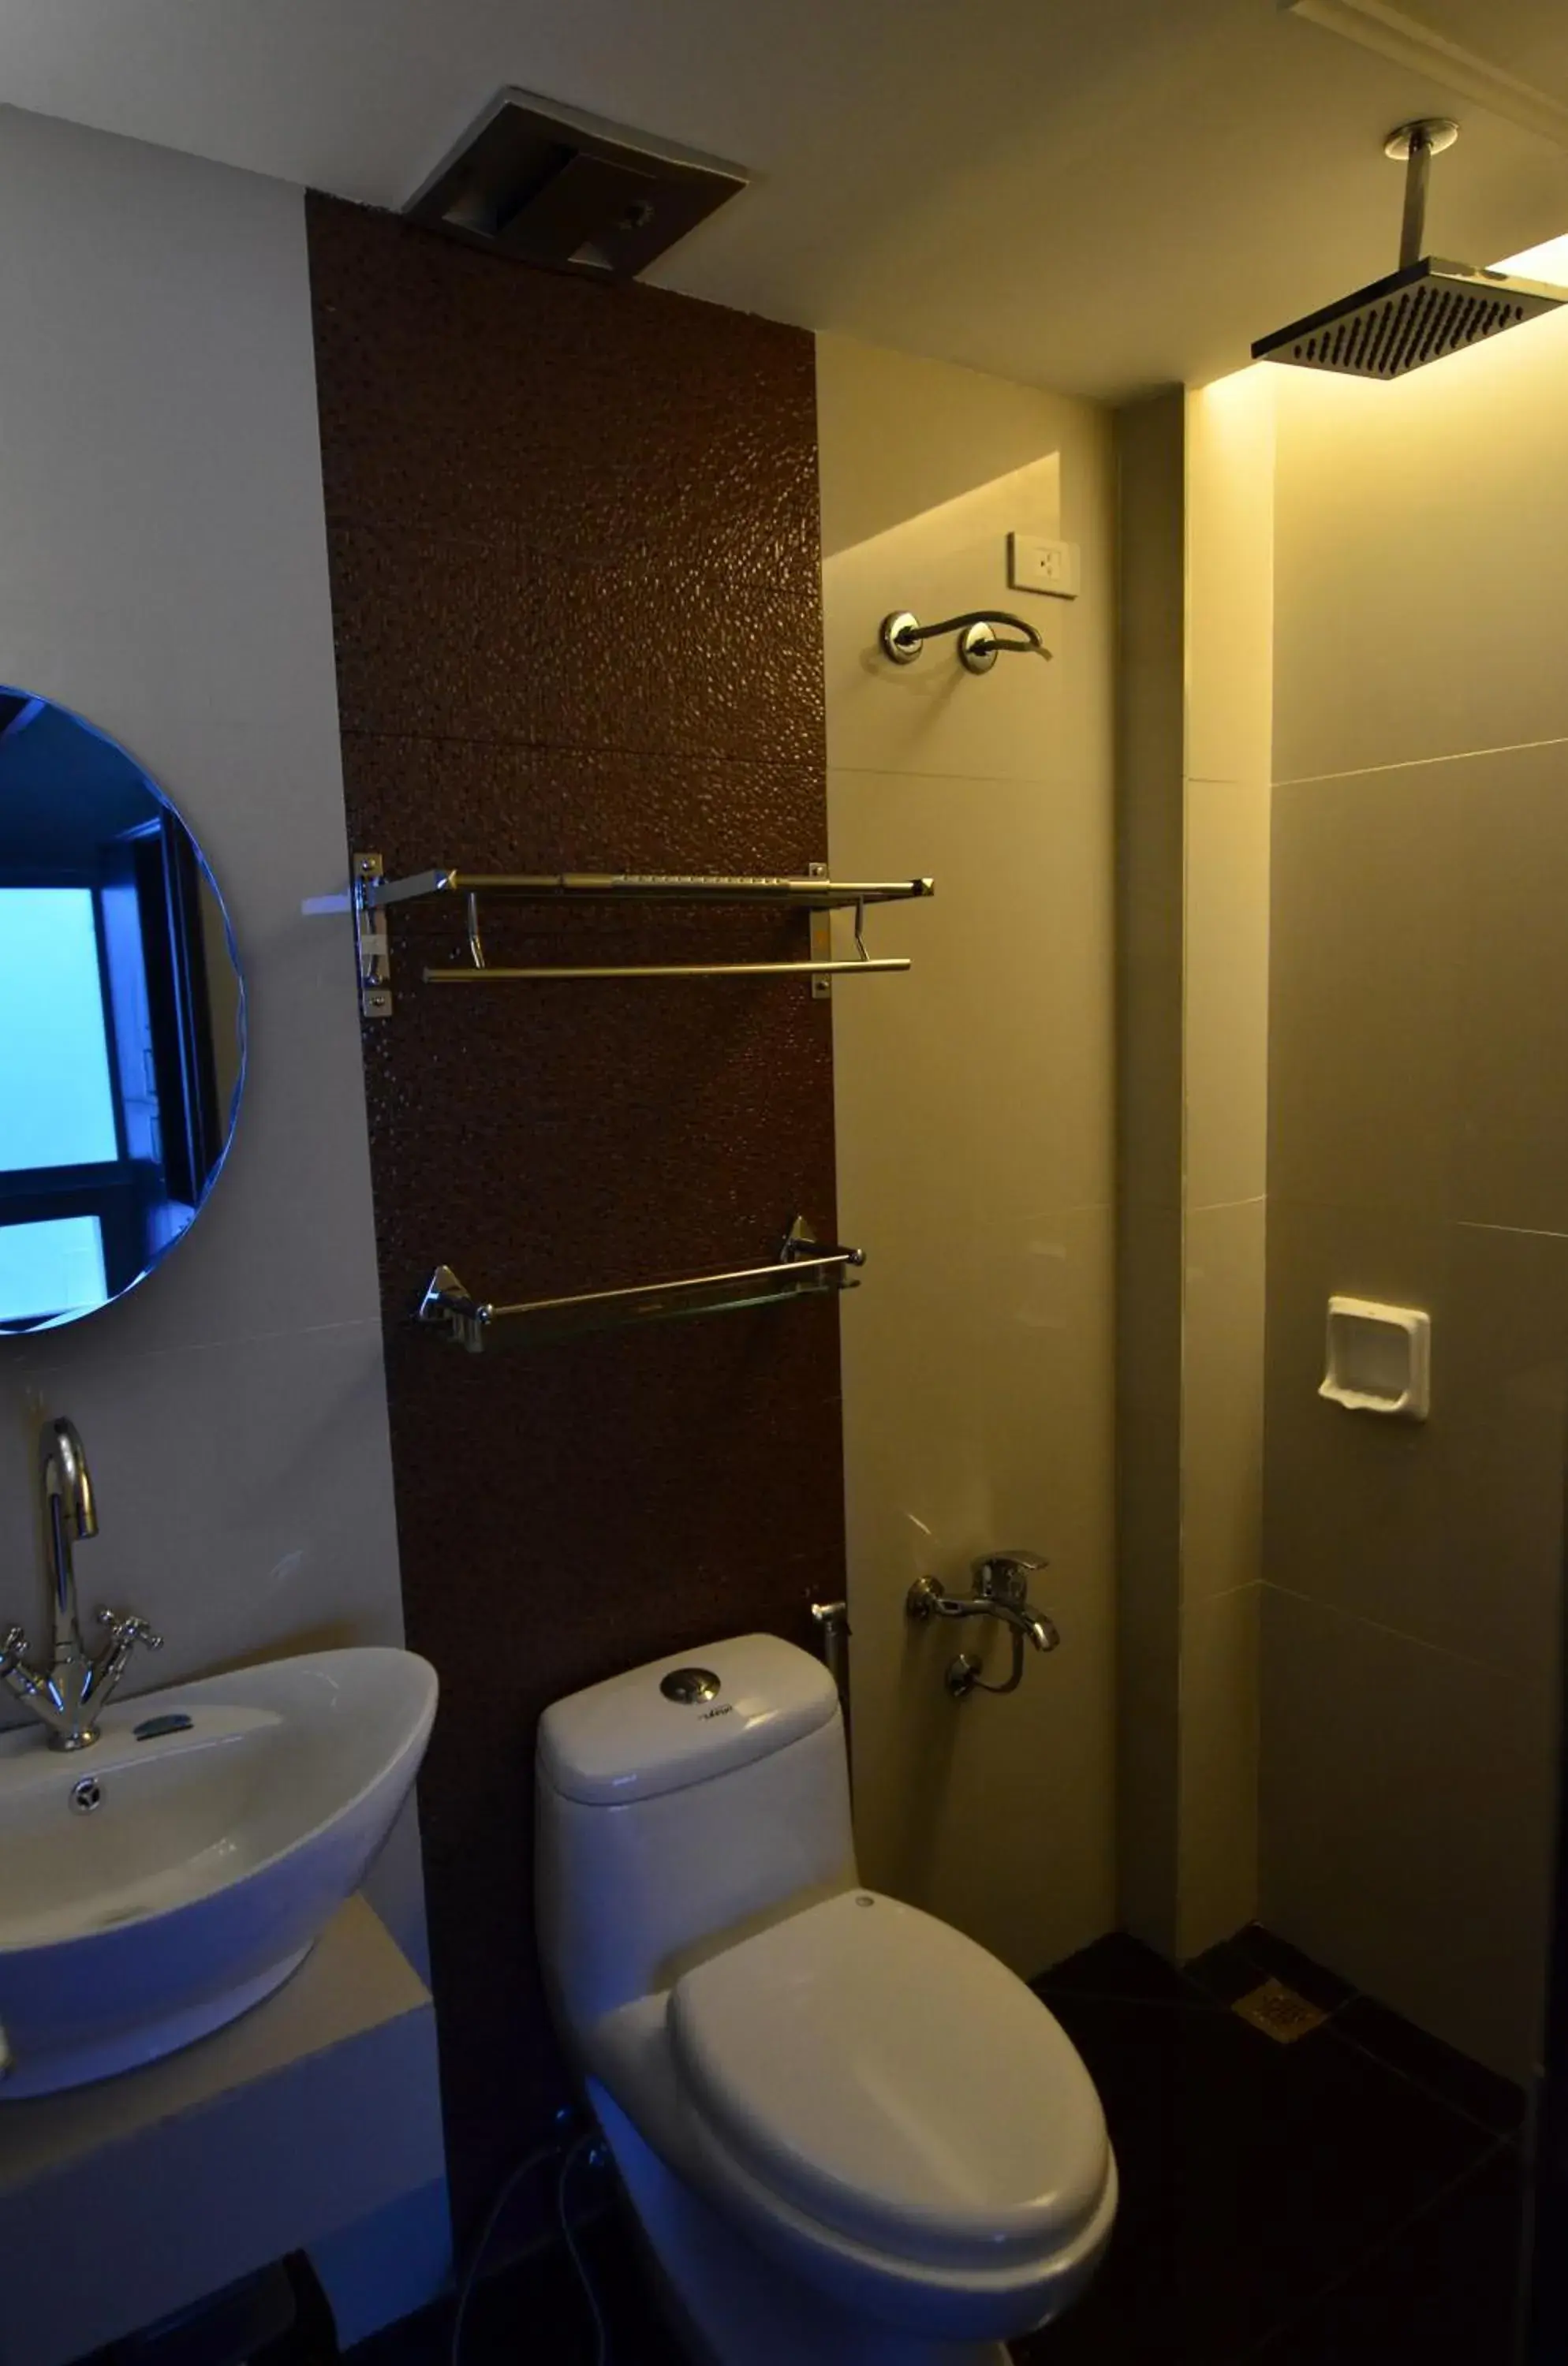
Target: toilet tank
(677, 1801)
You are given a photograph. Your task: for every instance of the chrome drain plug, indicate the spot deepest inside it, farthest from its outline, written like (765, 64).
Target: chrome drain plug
(86, 1795)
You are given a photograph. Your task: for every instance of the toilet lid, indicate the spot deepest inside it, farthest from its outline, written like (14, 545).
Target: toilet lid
(896, 2082)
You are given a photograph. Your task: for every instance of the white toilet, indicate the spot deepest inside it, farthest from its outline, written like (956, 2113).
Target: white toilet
(850, 2135)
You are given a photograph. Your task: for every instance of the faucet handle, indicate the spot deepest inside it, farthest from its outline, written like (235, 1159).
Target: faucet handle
(127, 1630)
(1004, 1575)
(13, 1649)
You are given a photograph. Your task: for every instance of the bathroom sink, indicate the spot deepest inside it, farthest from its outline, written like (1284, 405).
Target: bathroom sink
(157, 1884)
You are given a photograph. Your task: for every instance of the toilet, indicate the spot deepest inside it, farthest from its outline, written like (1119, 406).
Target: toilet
(849, 2135)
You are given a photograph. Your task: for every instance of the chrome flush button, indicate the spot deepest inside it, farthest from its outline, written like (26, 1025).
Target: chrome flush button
(688, 1684)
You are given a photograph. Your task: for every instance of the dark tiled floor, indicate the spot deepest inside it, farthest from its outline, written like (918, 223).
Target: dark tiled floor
(535, 2313)
(1351, 2199)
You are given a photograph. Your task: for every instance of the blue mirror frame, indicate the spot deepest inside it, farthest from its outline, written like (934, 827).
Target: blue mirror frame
(123, 1027)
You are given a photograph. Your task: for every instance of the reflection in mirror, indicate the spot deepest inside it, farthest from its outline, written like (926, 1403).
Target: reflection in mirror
(122, 1020)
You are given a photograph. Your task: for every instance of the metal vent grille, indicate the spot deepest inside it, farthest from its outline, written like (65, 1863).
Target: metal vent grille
(551, 186)
(1417, 315)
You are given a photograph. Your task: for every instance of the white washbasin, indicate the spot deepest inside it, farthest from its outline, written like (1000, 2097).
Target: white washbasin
(216, 1854)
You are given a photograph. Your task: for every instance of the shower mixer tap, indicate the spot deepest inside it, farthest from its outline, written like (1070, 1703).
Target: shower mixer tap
(999, 1583)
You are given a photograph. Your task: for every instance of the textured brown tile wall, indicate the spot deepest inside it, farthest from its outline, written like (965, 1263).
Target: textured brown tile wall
(574, 553)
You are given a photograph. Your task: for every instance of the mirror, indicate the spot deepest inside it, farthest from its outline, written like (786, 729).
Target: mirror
(122, 1020)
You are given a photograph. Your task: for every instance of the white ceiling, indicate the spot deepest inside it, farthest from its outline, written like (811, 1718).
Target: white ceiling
(1530, 42)
(1095, 195)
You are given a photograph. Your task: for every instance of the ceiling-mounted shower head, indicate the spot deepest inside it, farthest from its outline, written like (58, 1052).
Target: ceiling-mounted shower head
(1426, 308)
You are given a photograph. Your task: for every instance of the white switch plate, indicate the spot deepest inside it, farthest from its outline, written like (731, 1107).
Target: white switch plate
(1036, 565)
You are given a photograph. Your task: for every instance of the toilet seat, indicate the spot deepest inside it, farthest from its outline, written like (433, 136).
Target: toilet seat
(888, 2080)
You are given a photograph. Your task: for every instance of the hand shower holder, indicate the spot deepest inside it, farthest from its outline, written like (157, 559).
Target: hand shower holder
(903, 637)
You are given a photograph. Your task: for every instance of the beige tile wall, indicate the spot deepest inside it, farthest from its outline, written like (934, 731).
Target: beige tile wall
(975, 1118)
(1230, 580)
(1195, 523)
(1150, 931)
(1419, 1153)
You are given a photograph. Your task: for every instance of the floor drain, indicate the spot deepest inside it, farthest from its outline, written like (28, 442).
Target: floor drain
(1280, 2013)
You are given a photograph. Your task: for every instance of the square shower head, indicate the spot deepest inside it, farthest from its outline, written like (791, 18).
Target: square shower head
(1417, 314)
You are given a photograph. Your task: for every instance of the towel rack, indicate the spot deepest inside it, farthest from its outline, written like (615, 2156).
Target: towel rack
(814, 892)
(802, 1270)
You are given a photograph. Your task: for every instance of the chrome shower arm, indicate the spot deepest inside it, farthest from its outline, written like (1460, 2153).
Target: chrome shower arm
(1417, 174)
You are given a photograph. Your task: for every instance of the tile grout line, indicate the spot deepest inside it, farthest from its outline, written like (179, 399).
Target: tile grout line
(1527, 1232)
(1433, 2094)
(1379, 2250)
(1398, 1634)
(1044, 778)
(1290, 1202)
(1421, 763)
(423, 735)
(1369, 2054)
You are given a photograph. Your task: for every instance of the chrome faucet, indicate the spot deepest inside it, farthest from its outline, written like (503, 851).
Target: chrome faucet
(77, 1683)
(999, 1583)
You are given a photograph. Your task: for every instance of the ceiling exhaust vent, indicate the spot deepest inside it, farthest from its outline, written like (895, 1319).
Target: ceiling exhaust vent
(550, 185)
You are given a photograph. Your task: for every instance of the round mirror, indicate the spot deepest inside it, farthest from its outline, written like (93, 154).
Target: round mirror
(122, 1020)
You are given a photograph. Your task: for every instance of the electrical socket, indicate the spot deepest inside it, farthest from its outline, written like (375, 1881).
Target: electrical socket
(1036, 565)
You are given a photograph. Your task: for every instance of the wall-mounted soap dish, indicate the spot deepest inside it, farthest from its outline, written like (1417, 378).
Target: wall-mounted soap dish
(1380, 1359)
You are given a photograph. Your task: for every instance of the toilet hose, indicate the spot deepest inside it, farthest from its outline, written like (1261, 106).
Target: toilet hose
(589, 2150)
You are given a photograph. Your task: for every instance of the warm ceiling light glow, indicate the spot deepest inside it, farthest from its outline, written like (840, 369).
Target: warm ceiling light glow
(1549, 262)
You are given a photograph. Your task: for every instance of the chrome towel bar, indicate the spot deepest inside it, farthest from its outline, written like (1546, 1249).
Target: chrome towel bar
(802, 1270)
(496, 976)
(810, 892)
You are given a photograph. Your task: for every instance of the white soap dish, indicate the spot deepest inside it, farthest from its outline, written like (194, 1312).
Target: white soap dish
(1380, 1359)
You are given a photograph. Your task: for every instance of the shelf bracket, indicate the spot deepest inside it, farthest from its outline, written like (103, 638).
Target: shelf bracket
(820, 939)
(370, 941)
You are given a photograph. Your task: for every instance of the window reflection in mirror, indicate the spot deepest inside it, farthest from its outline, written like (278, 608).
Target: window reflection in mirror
(122, 1026)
